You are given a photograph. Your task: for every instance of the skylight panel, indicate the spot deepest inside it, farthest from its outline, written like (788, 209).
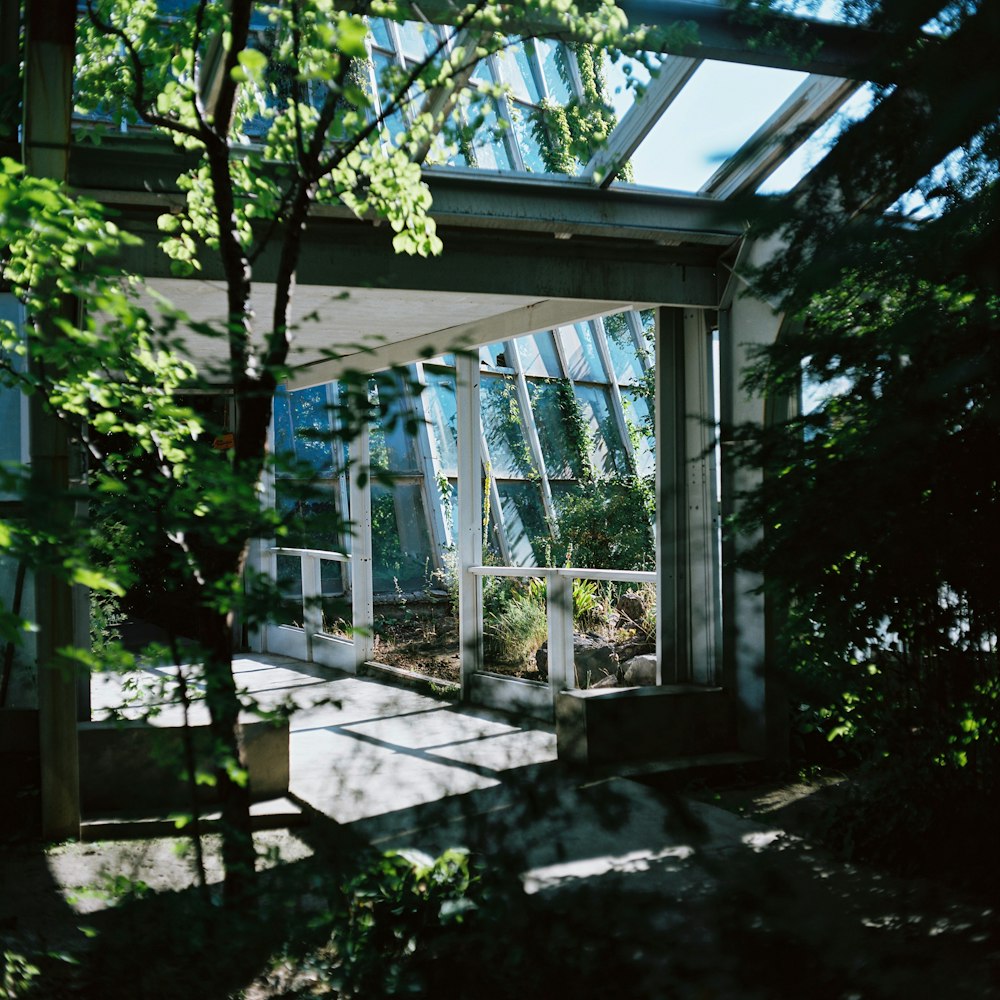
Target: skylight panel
(722, 105)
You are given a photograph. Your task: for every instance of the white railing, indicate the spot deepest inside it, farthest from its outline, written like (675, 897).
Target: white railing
(559, 608)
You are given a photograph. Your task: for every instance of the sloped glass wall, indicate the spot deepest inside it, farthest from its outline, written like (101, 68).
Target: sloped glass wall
(567, 439)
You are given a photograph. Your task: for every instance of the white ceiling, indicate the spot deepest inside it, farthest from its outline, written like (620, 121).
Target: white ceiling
(371, 328)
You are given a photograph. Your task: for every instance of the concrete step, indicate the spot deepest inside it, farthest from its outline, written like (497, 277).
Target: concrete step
(270, 814)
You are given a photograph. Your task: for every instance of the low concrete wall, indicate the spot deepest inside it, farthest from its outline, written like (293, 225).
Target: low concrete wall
(20, 772)
(135, 766)
(620, 725)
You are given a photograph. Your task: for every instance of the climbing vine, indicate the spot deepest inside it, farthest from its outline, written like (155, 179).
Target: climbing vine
(577, 430)
(570, 134)
(507, 425)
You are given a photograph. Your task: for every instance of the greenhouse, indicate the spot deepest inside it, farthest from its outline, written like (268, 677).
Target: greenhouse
(550, 388)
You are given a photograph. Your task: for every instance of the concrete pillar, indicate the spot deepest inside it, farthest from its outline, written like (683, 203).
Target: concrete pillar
(48, 102)
(688, 615)
(760, 710)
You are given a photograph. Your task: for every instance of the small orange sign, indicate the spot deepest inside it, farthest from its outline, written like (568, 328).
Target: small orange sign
(224, 442)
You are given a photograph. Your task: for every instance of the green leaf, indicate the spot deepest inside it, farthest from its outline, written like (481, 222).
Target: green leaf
(351, 34)
(96, 580)
(253, 63)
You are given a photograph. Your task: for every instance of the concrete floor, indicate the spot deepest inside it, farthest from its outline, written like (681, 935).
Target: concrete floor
(663, 896)
(400, 767)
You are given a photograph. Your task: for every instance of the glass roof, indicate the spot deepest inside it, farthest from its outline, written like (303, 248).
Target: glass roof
(720, 107)
(818, 144)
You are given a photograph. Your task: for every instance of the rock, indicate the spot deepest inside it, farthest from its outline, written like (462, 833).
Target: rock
(594, 657)
(630, 606)
(542, 660)
(606, 682)
(640, 670)
(628, 650)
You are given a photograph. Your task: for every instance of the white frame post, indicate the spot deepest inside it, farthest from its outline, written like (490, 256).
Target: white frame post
(470, 516)
(362, 588)
(705, 621)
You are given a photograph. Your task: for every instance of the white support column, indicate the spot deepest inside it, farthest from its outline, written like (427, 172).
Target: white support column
(312, 590)
(559, 608)
(470, 516)
(699, 466)
(747, 322)
(362, 602)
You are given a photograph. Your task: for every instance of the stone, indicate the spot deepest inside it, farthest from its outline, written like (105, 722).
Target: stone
(640, 670)
(627, 650)
(630, 606)
(593, 656)
(606, 682)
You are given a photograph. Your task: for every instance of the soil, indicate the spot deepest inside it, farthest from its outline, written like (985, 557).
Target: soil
(426, 642)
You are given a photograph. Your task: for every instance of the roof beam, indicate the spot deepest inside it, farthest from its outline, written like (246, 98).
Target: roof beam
(709, 29)
(638, 121)
(132, 172)
(814, 101)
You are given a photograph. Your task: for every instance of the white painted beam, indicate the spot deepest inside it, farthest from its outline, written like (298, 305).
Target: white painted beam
(542, 315)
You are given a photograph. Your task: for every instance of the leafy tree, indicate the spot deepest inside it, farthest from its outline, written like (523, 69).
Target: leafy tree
(272, 114)
(878, 508)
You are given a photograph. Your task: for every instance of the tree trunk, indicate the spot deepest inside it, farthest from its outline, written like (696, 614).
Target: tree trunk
(238, 854)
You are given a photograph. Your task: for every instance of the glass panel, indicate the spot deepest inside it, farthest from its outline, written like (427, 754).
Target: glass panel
(391, 443)
(442, 414)
(401, 551)
(489, 144)
(609, 455)
(538, 355)
(10, 424)
(331, 577)
(603, 525)
(517, 73)
(647, 318)
(792, 170)
(524, 523)
(504, 428)
(380, 33)
(495, 355)
(418, 40)
(385, 69)
(552, 57)
(310, 514)
(531, 153)
(638, 416)
(621, 345)
(622, 75)
(580, 351)
(289, 580)
(552, 405)
(298, 415)
(692, 138)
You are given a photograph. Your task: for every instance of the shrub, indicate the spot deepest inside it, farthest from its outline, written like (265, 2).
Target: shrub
(515, 633)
